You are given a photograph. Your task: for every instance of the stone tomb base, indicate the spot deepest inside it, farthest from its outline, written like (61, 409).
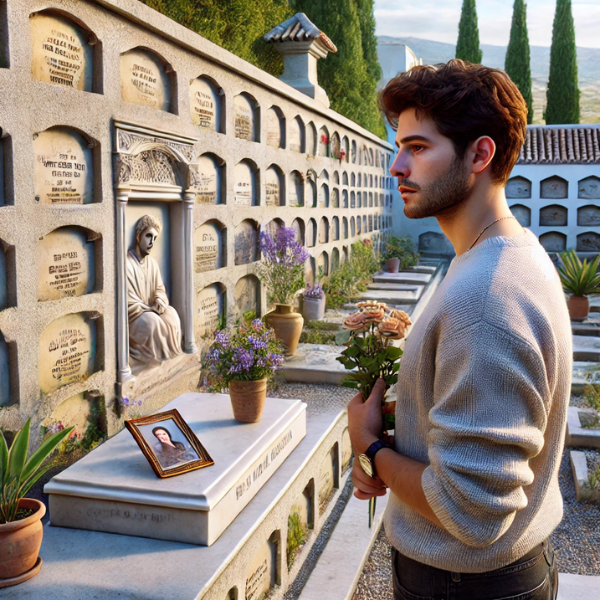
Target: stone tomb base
(113, 489)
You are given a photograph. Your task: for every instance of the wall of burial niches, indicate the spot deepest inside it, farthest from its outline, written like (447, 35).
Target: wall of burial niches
(108, 121)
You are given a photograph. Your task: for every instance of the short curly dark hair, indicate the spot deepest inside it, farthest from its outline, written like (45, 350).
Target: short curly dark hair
(465, 101)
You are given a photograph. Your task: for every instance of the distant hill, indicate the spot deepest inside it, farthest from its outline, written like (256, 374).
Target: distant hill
(588, 60)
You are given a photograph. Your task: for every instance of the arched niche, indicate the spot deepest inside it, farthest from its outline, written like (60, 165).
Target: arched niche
(345, 228)
(352, 180)
(207, 104)
(147, 79)
(555, 188)
(323, 141)
(335, 198)
(353, 152)
(311, 188)
(345, 149)
(324, 196)
(297, 135)
(371, 157)
(345, 178)
(518, 187)
(5, 375)
(246, 183)
(370, 180)
(66, 262)
(359, 182)
(352, 227)
(247, 296)
(64, 167)
(311, 139)
(553, 216)
(589, 188)
(335, 259)
(68, 351)
(210, 243)
(8, 280)
(275, 127)
(352, 200)
(588, 216)
(324, 175)
(344, 198)
(246, 242)
(6, 171)
(273, 226)
(322, 264)
(210, 187)
(554, 241)
(364, 224)
(211, 309)
(274, 186)
(64, 51)
(432, 241)
(358, 226)
(588, 242)
(359, 199)
(378, 159)
(336, 146)
(370, 223)
(311, 233)
(345, 254)
(522, 214)
(296, 189)
(310, 270)
(336, 229)
(246, 117)
(370, 199)
(299, 230)
(336, 177)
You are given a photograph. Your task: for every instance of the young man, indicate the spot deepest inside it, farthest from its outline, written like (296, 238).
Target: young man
(485, 378)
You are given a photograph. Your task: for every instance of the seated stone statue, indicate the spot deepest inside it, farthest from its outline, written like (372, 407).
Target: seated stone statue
(154, 326)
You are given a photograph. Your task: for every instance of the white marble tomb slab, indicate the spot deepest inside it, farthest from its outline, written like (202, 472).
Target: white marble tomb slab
(144, 80)
(114, 489)
(205, 104)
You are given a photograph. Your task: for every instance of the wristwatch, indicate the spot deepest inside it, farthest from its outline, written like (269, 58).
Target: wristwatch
(367, 460)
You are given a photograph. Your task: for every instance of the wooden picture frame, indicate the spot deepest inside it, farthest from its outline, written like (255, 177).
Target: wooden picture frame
(172, 456)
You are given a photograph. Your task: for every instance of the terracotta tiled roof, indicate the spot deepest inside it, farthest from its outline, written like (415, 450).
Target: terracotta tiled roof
(561, 145)
(298, 28)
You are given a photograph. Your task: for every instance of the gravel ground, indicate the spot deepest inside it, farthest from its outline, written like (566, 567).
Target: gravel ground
(320, 399)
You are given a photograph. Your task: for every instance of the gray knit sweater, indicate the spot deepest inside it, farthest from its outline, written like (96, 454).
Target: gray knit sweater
(483, 392)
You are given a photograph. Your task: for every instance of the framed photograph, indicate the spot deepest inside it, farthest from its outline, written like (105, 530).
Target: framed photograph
(169, 444)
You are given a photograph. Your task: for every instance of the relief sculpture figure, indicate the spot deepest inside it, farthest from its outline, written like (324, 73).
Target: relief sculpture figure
(154, 326)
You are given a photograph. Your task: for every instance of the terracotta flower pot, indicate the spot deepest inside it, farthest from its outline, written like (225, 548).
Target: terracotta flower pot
(20, 543)
(579, 307)
(392, 265)
(314, 308)
(287, 325)
(248, 399)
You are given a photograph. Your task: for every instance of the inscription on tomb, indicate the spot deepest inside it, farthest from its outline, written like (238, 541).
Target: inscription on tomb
(274, 129)
(209, 309)
(588, 215)
(588, 242)
(554, 187)
(296, 135)
(208, 182)
(144, 80)
(262, 574)
(205, 105)
(327, 476)
(553, 216)
(272, 188)
(208, 246)
(244, 185)
(589, 188)
(244, 118)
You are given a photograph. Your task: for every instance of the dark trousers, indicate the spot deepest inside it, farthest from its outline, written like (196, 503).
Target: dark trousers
(532, 577)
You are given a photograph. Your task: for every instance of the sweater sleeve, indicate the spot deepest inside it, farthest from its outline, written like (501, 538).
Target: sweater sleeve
(487, 423)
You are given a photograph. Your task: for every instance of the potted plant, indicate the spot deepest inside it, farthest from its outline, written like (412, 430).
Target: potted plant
(21, 528)
(399, 254)
(243, 361)
(282, 270)
(314, 302)
(579, 280)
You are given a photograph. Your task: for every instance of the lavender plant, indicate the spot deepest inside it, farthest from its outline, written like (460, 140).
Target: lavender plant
(313, 291)
(282, 267)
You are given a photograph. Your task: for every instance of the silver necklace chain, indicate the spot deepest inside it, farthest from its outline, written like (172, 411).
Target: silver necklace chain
(487, 227)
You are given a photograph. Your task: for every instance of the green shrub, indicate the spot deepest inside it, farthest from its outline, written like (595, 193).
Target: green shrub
(321, 326)
(402, 248)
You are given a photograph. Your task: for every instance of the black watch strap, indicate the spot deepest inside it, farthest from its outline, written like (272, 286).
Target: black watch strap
(373, 449)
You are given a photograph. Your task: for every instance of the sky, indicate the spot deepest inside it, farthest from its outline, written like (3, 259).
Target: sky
(437, 20)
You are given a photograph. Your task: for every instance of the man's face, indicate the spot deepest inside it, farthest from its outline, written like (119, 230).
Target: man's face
(146, 240)
(162, 436)
(431, 178)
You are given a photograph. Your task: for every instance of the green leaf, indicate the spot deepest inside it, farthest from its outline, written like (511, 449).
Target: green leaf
(367, 362)
(17, 455)
(393, 353)
(349, 384)
(46, 448)
(389, 421)
(351, 352)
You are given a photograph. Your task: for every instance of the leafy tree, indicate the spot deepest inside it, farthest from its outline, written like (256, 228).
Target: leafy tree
(518, 62)
(563, 90)
(467, 47)
(368, 38)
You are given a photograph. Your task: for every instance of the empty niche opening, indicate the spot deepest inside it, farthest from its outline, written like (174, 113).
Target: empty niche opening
(309, 271)
(211, 310)
(273, 226)
(246, 117)
(9, 391)
(296, 189)
(263, 573)
(336, 177)
(353, 152)
(588, 242)
(352, 199)
(359, 199)
(297, 135)
(554, 241)
(67, 260)
(311, 188)
(324, 230)
(358, 225)
(345, 228)
(345, 254)
(588, 216)
(328, 478)
(553, 216)
(65, 162)
(8, 280)
(370, 199)
(323, 142)
(364, 222)
(336, 229)
(344, 178)
(299, 230)
(381, 199)
(246, 242)
(4, 37)
(274, 186)
(352, 180)
(246, 183)
(311, 233)
(589, 188)
(371, 157)
(344, 198)
(275, 127)
(335, 260)
(554, 188)
(322, 265)
(6, 172)
(300, 522)
(65, 51)
(207, 104)
(247, 297)
(370, 223)
(336, 146)
(352, 227)
(211, 180)
(345, 154)
(324, 196)
(210, 242)
(335, 198)
(359, 183)
(148, 79)
(311, 139)
(370, 180)
(232, 594)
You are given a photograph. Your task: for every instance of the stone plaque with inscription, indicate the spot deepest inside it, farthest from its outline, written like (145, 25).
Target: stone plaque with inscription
(554, 188)
(245, 185)
(586, 216)
(246, 294)
(275, 129)
(296, 189)
(60, 52)
(554, 215)
(328, 478)
(208, 248)
(114, 489)
(588, 242)
(262, 573)
(273, 192)
(63, 170)
(3, 280)
(4, 373)
(208, 186)
(205, 104)
(73, 411)
(245, 121)
(296, 135)
(518, 187)
(589, 188)
(210, 309)
(65, 259)
(554, 241)
(246, 243)
(67, 351)
(144, 80)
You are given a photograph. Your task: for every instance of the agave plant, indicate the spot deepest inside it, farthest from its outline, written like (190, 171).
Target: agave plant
(18, 473)
(577, 278)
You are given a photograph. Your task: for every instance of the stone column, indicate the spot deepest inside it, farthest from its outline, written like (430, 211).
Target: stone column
(189, 343)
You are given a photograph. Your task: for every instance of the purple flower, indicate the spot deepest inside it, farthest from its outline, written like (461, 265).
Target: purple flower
(242, 358)
(313, 291)
(257, 343)
(221, 338)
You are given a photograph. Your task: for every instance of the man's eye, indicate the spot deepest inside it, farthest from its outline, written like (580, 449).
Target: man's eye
(417, 148)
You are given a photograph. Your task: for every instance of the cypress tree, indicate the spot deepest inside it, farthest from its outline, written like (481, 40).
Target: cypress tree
(563, 93)
(467, 47)
(366, 18)
(518, 62)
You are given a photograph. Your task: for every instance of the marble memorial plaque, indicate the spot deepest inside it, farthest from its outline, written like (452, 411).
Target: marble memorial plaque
(209, 185)
(67, 351)
(208, 248)
(60, 52)
(73, 411)
(323, 230)
(245, 125)
(296, 135)
(144, 80)
(262, 573)
(205, 104)
(311, 233)
(324, 196)
(273, 226)
(518, 187)
(588, 216)
(3, 280)
(246, 243)
(246, 294)
(65, 261)
(588, 242)
(589, 188)
(296, 189)
(210, 308)
(273, 195)
(346, 450)
(275, 129)
(63, 170)
(327, 478)
(554, 188)
(554, 215)
(245, 184)
(335, 198)
(4, 373)
(554, 241)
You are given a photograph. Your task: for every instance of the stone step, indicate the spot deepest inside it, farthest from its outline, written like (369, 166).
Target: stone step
(579, 436)
(586, 348)
(585, 328)
(404, 277)
(392, 297)
(425, 268)
(396, 287)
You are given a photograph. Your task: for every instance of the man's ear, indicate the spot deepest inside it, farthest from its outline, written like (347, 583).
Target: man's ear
(482, 151)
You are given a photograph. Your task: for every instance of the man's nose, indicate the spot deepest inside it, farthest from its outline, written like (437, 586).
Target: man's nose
(399, 167)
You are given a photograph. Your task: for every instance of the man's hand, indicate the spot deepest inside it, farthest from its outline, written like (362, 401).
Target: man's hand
(159, 306)
(366, 487)
(365, 423)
